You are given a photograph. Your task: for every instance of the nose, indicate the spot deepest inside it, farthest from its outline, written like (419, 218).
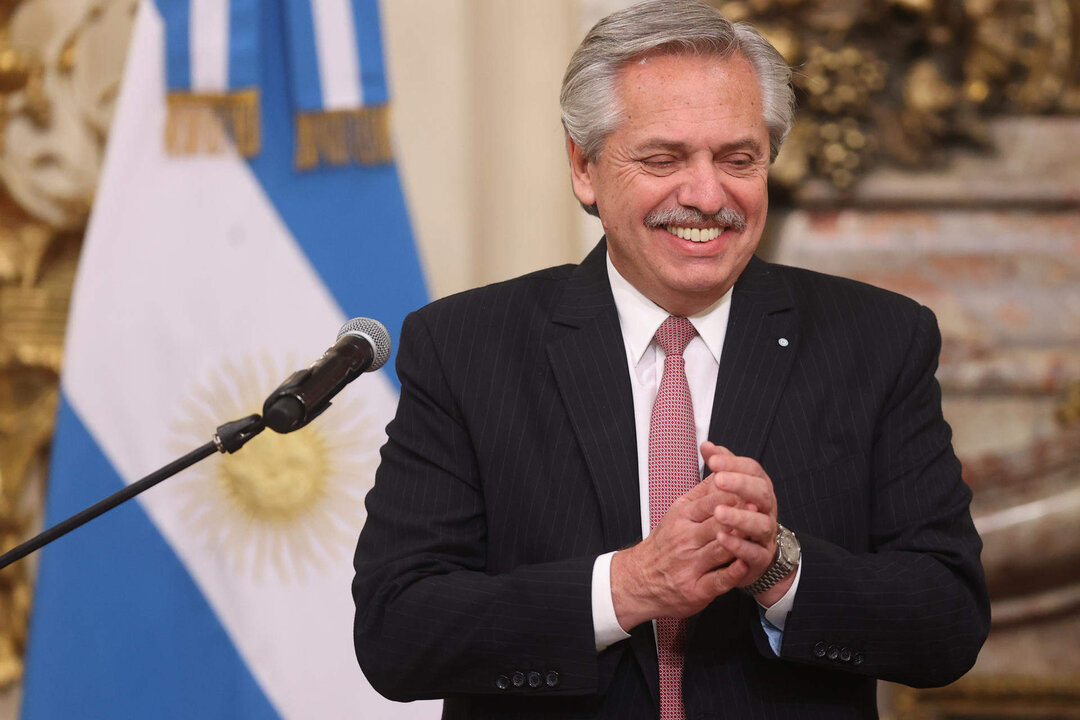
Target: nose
(703, 188)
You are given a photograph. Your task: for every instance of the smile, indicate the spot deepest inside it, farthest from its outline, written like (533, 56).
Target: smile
(693, 234)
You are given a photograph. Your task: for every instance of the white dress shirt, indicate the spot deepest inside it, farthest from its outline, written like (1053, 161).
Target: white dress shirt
(639, 319)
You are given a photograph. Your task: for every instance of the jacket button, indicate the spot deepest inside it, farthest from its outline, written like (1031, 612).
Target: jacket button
(845, 655)
(518, 679)
(833, 653)
(819, 650)
(551, 679)
(502, 682)
(534, 679)
(858, 659)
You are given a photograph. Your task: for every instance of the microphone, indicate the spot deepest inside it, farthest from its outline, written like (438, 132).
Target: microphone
(362, 345)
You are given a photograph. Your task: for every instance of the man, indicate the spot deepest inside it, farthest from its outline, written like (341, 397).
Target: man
(547, 424)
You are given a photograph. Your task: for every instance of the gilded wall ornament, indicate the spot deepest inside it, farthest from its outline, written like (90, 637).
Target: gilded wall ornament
(60, 67)
(899, 81)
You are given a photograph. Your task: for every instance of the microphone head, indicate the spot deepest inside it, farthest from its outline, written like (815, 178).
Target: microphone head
(375, 333)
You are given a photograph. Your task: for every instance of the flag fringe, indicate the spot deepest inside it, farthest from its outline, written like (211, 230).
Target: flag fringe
(200, 123)
(358, 136)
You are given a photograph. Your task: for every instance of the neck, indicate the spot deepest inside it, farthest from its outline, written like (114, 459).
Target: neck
(683, 305)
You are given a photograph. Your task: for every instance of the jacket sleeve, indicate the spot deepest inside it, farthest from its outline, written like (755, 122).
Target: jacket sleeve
(431, 620)
(913, 608)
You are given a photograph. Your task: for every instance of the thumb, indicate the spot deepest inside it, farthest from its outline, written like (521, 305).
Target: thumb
(710, 450)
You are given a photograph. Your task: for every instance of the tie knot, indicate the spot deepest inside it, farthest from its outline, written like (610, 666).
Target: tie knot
(675, 334)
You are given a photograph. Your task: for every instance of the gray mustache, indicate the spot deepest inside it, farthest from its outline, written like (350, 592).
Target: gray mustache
(682, 216)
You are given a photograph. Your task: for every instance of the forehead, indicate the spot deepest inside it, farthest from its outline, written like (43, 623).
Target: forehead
(690, 92)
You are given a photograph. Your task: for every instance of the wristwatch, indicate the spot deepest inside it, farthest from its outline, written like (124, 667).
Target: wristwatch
(788, 553)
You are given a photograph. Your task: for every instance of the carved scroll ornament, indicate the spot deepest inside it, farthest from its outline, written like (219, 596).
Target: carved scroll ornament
(898, 81)
(60, 67)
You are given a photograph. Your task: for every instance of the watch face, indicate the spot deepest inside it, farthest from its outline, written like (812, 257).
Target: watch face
(789, 548)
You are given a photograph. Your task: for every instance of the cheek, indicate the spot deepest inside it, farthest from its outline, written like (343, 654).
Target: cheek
(762, 201)
(753, 198)
(630, 205)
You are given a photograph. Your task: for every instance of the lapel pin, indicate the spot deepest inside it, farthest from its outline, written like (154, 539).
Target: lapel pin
(782, 342)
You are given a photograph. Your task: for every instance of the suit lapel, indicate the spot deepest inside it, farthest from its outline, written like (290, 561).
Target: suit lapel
(589, 362)
(760, 345)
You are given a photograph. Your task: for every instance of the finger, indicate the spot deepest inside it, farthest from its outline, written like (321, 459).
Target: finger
(698, 535)
(753, 554)
(717, 462)
(712, 453)
(701, 508)
(708, 449)
(750, 507)
(700, 489)
(729, 577)
(711, 552)
(753, 526)
(749, 489)
(707, 553)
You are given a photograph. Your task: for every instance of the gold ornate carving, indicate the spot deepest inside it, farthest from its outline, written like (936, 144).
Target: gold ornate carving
(1018, 698)
(1068, 412)
(60, 64)
(897, 81)
(37, 266)
(27, 399)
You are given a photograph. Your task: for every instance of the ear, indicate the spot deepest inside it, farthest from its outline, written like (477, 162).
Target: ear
(580, 173)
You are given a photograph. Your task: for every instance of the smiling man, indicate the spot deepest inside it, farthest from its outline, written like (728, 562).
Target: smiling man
(674, 481)
(679, 159)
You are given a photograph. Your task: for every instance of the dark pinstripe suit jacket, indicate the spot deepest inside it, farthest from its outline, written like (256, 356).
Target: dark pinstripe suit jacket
(511, 464)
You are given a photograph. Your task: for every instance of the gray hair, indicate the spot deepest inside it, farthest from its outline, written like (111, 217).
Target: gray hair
(590, 102)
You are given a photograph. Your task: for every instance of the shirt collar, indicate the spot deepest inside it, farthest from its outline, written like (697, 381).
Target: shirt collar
(640, 317)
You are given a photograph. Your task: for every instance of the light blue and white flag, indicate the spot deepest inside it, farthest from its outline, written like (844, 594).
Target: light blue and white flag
(335, 54)
(338, 84)
(204, 281)
(213, 70)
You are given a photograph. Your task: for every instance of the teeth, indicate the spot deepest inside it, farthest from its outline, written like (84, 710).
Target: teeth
(693, 234)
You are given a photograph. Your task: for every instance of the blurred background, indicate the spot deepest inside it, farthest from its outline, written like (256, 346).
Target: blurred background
(937, 153)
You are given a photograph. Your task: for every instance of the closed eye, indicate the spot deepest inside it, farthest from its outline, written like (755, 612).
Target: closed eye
(740, 163)
(660, 163)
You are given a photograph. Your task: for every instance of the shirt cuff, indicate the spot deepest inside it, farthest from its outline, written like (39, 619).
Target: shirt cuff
(606, 628)
(777, 614)
(774, 618)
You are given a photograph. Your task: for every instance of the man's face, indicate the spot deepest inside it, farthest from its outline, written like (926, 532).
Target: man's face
(690, 158)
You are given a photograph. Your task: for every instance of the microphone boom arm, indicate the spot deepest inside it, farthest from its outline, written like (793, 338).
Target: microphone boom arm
(230, 437)
(363, 344)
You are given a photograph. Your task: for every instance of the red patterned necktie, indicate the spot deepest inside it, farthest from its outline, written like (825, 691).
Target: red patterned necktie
(673, 471)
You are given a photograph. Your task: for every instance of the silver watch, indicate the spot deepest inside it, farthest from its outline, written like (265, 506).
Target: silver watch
(788, 554)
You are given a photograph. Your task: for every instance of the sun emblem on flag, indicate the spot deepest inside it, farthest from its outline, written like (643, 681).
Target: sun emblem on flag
(291, 505)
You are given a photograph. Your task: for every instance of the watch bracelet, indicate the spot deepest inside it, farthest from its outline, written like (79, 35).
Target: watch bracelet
(770, 577)
(773, 574)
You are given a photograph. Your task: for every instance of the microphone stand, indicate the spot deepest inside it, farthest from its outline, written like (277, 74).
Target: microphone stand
(228, 438)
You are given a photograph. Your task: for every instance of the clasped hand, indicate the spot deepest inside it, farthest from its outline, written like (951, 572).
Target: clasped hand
(718, 536)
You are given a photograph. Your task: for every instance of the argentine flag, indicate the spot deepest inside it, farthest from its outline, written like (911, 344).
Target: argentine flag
(205, 280)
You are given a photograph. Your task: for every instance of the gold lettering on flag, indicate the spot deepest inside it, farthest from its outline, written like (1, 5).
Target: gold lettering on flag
(341, 137)
(202, 123)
